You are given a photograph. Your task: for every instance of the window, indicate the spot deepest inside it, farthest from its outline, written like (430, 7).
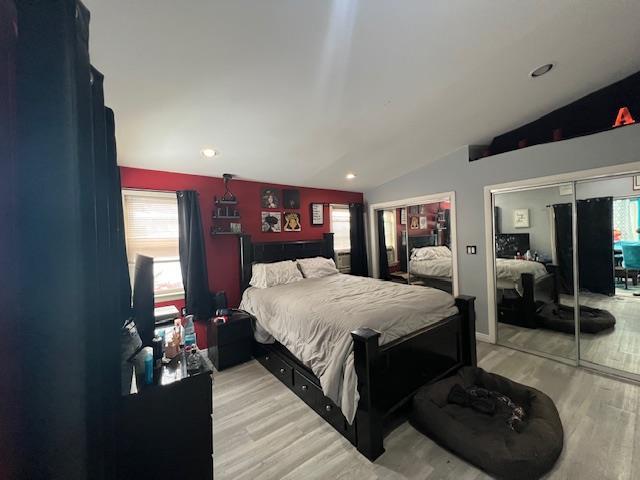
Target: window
(390, 237)
(625, 219)
(151, 229)
(341, 228)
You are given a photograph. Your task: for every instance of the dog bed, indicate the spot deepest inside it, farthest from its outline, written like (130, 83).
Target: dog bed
(488, 440)
(561, 318)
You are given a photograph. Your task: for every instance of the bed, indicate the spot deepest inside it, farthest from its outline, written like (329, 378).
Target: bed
(435, 273)
(522, 285)
(354, 349)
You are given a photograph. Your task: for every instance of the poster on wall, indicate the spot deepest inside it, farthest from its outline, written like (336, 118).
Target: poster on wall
(636, 182)
(291, 199)
(271, 222)
(270, 198)
(414, 222)
(423, 223)
(403, 216)
(521, 218)
(317, 214)
(292, 222)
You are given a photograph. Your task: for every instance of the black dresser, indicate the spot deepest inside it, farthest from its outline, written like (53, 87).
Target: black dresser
(165, 430)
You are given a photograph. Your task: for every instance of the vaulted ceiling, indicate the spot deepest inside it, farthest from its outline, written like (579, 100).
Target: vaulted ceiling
(305, 91)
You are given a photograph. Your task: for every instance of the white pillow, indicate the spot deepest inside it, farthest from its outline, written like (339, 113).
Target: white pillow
(317, 267)
(430, 253)
(264, 275)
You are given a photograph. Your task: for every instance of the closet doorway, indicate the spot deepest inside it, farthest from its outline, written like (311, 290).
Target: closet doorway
(413, 241)
(566, 271)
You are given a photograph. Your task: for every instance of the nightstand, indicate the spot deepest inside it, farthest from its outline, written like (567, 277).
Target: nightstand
(230, 343)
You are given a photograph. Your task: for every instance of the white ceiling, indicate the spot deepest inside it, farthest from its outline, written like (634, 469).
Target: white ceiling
(302, 92)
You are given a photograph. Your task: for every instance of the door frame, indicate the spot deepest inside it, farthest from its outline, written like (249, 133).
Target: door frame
(373, 229)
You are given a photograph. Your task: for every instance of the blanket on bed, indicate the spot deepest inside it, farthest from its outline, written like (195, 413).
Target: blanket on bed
(313, 319)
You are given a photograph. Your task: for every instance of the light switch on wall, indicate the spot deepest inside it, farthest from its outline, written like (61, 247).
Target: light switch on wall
(471, 249)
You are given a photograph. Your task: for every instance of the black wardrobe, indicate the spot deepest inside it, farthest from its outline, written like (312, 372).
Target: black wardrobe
(65, 287)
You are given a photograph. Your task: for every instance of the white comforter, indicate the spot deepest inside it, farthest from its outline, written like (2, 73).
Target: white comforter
(511, 269)
(437, 267)
(313, 319)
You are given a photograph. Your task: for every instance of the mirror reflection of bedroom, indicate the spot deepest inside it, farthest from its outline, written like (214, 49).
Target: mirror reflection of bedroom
(535, 271)
(417, 243)
(533, 241)
(609, 261)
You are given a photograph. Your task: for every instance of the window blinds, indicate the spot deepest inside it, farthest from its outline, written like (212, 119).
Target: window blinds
(341, 227)
(151, 224)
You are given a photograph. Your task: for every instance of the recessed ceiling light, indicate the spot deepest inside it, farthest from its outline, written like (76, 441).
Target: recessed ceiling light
(350, 176)
(541, 70)
(208, 152)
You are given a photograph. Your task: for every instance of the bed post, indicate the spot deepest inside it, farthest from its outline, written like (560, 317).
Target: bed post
(369, 431)
(328, 245)
(528, 299)
(246, 259)
(466, 307)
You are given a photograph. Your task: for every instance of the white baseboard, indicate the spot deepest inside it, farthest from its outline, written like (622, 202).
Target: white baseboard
(483, 337)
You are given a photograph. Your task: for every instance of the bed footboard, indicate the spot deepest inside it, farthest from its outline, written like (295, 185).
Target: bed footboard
(389, 375)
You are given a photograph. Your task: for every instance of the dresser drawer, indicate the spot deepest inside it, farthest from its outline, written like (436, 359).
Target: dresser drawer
(281, 369)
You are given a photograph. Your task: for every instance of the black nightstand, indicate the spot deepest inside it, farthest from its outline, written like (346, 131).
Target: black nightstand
(230, 343)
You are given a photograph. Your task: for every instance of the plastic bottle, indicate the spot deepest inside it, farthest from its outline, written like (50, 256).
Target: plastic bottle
(148, 365)
(189, 331)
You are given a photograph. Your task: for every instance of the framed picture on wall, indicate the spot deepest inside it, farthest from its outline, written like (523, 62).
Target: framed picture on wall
(521, 218)
(292, 222)
(271, 222)
(414, 222)
(636, 182)
(317, 214)
(403, 216)
(423, 223)
(291, 199)
(270, 198)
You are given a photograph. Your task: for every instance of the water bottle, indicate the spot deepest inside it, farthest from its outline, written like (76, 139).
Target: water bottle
(148, 365)
(189, 332)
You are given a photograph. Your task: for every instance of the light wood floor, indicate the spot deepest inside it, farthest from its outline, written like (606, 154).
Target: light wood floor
(617, 348)
(263, 431)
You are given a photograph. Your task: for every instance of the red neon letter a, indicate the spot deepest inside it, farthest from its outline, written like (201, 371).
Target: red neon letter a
(624, 117)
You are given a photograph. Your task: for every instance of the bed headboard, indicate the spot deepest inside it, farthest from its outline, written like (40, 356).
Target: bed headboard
(422, 241)
(269, 252)
(508, 244)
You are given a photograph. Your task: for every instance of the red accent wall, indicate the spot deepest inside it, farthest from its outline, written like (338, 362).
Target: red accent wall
(223, 261)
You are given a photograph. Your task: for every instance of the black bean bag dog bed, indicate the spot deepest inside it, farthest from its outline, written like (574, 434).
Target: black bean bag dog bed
(487, 440)
(561, 318)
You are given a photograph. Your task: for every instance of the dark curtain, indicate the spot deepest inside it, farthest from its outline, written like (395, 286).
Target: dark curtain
(595, 245)
(564, 246)
(193, 259)
(359, 264)
(117, 219)
(66, 250)
(383, 260)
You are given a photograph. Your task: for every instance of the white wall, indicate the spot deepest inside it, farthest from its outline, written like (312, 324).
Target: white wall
(536, 202)
(454, 172)
(615, 187)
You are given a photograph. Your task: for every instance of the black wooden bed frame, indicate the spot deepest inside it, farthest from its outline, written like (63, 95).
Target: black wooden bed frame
(527, 306)
(420, 241)
(388, 375)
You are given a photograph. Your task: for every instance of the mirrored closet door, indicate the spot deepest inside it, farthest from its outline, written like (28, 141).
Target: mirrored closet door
(533, 268)
(414, 244)
(608, 232)
(430, 262)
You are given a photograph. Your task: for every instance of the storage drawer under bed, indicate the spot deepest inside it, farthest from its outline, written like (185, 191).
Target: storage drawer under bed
(312, 395)
(276, 365)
